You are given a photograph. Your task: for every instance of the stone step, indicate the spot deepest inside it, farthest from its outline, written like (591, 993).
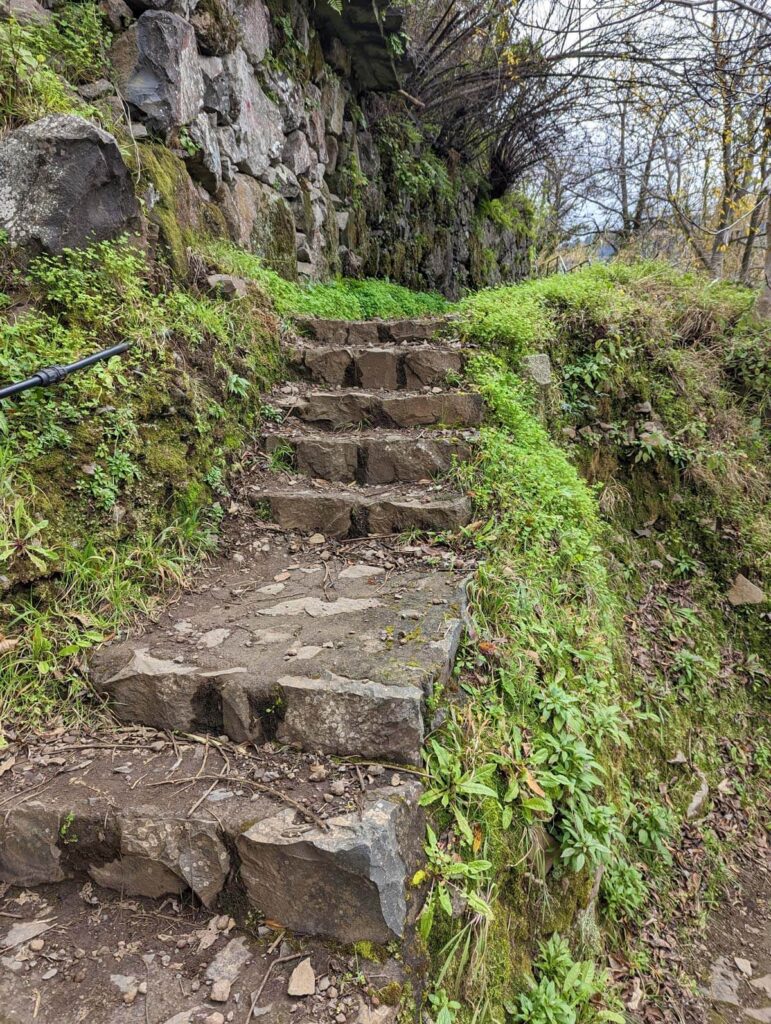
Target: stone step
(408, 367)
(338, 410)
(372, 332)
(371, 457)
(333, 656)
(120, 961)
(151, 818)
(353, 511)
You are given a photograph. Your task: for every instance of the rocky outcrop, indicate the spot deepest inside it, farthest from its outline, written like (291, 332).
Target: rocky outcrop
(278, 127)
(63, 183)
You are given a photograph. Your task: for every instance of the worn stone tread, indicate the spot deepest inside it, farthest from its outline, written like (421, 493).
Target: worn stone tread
(349, 407)
(394, 367)
(151, 822)
(372, 456)
(335, 657)
(361, 511)
(372, 332)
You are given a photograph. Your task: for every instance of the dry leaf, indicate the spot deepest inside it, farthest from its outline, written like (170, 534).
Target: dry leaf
(8, 643)
(7, 764)
(477, 843)
(533, 784)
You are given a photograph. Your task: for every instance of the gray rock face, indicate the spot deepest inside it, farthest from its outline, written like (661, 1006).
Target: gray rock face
(204, 165)
(259, 130)
(28, 852)
(63, 183)
(373, 457)
(346, 883)
(26, 12)
(158, 72)
(297, 154)
(254, 27)
(127, 828)
(216, 88)
(336, 409)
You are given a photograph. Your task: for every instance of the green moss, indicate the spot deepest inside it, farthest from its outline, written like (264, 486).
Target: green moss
(179, 212)
(390, 994)
(371, 951)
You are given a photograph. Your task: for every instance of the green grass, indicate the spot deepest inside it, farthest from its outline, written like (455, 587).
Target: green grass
(343, 299)
(112, 481)
(41, 64)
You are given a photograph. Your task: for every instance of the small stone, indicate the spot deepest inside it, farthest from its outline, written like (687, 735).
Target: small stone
(337, 788)
(36, 945)
(332, 992)
(142, 988)
(744, 966)
(130, 997)
(227, 285)
(195, 984)
(643, 408)
(762, 984)
(396, 779)
(375, 770)
(222, 922)
(215, 1018)
(50, 974)
(317, 773)
(744, 591)
(220, 990)
(316, 540)
(303, 980)
(698, 799)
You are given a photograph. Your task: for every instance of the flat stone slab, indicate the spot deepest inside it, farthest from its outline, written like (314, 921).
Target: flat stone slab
(372, 457)
(335, 656)
(153, 819)
(336, 410)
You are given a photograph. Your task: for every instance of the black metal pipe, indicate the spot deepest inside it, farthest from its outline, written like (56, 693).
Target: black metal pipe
(56, 374)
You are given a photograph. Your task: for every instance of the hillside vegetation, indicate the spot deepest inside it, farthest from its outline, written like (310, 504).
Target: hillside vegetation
(607, 681)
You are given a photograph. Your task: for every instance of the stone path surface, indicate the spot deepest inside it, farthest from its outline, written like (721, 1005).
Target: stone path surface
(260, 799)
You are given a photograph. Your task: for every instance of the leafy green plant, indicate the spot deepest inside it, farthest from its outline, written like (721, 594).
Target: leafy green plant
(565, 991)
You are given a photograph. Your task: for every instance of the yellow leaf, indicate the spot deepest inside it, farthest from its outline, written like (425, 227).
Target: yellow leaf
(532, 783)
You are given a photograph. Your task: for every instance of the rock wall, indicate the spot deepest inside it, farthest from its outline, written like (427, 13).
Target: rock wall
(279, 127)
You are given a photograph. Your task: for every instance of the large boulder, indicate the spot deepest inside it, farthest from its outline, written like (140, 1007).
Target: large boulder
(158, 72)
(63, 184)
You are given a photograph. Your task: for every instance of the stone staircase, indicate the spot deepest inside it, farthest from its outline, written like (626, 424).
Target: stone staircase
(312, 640)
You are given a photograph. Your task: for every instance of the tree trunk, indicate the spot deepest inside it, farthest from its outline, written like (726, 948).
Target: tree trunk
(763, 306)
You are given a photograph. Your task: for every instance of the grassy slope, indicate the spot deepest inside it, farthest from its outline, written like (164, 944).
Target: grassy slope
(606, 646)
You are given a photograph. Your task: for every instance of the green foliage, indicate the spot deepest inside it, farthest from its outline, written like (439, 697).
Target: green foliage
(110, 481)
(513, 212)
(411, 168)
(339, 299)
(40, 64)
(566, 991)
